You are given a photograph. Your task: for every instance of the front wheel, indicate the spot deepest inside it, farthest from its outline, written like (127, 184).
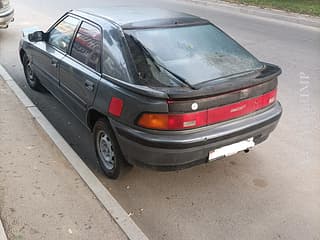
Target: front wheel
(107, 149)
(31, 78)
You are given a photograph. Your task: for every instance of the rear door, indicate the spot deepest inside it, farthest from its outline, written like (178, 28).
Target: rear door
(80, 69)
(50, 53)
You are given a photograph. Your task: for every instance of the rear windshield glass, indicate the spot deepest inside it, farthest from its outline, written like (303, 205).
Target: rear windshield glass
(193, 54)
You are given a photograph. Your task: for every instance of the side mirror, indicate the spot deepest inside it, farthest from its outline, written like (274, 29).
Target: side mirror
(37, 36)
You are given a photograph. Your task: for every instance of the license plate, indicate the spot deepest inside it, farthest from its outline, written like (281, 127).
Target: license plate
(231, 149)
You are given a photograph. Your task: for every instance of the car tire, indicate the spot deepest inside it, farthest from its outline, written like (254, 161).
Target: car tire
(107, 149)
(31, 78)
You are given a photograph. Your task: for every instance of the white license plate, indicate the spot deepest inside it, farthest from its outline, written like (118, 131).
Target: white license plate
(231, 149)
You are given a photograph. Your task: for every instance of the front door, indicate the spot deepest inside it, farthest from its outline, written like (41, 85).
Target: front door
(52, 51)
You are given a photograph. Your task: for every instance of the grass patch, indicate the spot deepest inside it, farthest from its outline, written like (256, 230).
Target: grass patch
(310, 7)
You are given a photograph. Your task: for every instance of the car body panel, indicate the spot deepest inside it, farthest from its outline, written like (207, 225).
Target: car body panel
(46, 62)
(131, 100)
(78, 84)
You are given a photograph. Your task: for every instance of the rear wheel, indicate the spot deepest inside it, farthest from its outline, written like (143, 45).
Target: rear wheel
(31, 78)
(107, 149)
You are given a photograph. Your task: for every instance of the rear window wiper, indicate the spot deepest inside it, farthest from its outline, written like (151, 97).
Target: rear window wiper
(156, 63)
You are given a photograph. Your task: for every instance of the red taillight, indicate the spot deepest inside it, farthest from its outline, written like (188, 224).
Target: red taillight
(162, 121)
(182, 121)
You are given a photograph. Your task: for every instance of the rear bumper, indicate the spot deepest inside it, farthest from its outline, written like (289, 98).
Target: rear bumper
(175, 150)
(6, 17)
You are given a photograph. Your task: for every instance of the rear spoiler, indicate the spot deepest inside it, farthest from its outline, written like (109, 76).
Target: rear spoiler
(212, 88)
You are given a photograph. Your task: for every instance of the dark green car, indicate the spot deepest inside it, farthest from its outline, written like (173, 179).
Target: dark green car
(157, 88)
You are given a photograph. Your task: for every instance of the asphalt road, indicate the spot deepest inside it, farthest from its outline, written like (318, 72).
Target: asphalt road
(272, 192)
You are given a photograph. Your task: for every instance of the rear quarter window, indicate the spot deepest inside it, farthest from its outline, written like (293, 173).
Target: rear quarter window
(113, 58)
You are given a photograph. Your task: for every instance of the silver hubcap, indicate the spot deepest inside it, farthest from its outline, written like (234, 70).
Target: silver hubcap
(105, 150)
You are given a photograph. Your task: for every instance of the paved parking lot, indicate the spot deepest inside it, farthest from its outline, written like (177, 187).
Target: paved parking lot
(272, 192)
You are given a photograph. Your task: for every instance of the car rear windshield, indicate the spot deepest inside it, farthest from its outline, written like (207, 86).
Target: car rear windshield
(190, 54)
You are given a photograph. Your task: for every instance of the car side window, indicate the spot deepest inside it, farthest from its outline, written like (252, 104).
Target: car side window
(60, 36)
(87, 46)
(113, 59)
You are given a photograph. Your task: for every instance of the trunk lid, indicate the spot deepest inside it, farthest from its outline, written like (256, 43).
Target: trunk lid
(225, 91)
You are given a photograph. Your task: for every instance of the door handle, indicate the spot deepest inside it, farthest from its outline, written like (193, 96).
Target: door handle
(89, 85)
(54, 62)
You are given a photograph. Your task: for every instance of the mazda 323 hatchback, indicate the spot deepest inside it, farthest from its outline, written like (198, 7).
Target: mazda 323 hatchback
(157, 88)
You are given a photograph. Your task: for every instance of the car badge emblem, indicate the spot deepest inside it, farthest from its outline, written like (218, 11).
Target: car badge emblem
(194, 106)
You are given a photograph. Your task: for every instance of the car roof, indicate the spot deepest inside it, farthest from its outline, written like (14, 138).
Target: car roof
(142, 17)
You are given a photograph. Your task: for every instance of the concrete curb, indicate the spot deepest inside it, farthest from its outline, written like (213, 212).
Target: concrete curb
(262, 12)
(3, 235)
(120, 216)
